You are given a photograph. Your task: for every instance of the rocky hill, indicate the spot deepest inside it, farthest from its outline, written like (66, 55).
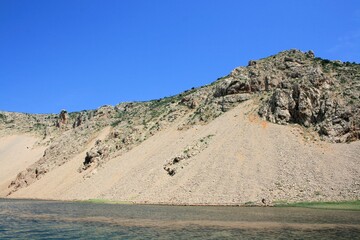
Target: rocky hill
(318, 98)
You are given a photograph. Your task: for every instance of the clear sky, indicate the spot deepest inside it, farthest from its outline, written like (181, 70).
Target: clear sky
(76, 55)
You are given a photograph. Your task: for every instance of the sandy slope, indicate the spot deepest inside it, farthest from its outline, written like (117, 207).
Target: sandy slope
(56, 183)
(16, 153)
(247, 160)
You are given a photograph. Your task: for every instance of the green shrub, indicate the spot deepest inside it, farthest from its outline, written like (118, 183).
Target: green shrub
(2, 117)
(38, 126)
(115, 123)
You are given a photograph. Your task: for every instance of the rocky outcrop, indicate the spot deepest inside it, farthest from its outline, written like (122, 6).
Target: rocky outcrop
(181, 160)
(296, 87)
(96, 154)
(25, 178)
(312, 107)
(62, 145)
(63, 119)
(313, 98)
(80, 119)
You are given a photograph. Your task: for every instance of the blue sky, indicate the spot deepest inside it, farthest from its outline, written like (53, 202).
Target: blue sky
(78, 55)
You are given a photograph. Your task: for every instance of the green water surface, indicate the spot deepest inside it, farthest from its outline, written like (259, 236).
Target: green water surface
(31, 219)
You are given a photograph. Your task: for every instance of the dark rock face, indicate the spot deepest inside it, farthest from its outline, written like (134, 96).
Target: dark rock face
(63, 119)
(95, 155)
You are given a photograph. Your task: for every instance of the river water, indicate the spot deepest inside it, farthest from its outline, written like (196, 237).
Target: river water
(31, 219)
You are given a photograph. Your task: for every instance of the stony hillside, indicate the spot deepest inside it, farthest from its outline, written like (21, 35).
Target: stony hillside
(318, 97)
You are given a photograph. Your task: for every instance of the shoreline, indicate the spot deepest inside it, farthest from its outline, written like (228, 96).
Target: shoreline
(351, 205)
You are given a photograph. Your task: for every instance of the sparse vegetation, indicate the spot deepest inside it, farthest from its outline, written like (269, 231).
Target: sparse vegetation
(39, 126)
(122, 114)
(344, 205)
(2, 117)
(115, 123)
(250, 204)
(105, 201)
